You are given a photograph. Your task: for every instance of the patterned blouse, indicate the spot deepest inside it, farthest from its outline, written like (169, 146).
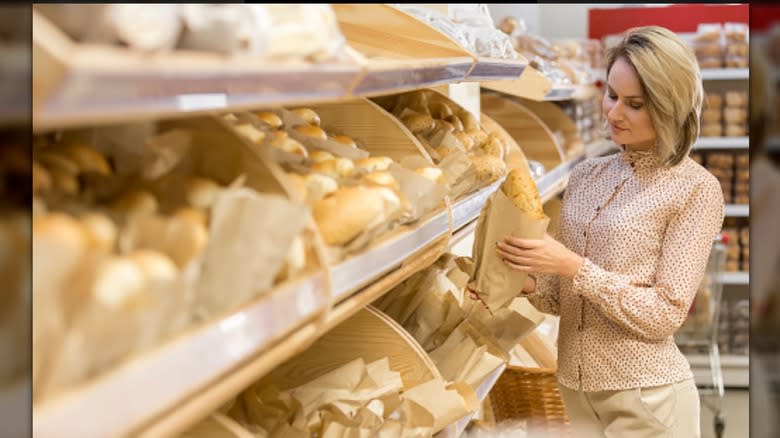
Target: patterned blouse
(645, 233)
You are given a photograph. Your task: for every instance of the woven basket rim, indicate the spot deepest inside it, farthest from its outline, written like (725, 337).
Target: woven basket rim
(532, 370)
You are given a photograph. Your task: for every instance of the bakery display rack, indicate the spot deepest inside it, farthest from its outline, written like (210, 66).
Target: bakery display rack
(711, 143)
(723, 74)
(737, 210)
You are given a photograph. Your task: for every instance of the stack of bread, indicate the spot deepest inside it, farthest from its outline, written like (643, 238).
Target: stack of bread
(735, 114)
(708, 45)
(732, 170)
(742, 178)
(731, 228)
(736, 54)
(348, 191)
(444, 128)
(721, 164)
(712, 115)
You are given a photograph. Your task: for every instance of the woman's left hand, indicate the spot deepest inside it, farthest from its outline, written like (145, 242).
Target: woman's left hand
(543, 256)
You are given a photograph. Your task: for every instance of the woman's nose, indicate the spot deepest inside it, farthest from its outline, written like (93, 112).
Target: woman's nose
(615, 113)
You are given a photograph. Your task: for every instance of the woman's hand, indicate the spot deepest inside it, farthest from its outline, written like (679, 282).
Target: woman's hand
(544, 256)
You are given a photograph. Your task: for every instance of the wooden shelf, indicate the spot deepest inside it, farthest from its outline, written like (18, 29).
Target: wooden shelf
(78, 85)
(735, 278)
(722, 143)
(737, 210)
(719, 74)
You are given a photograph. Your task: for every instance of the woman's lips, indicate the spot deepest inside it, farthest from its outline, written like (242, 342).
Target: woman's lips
(616, 129)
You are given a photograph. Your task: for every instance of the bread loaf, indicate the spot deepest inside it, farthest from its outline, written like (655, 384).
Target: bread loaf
(307, 115)
(712, 130)
(489, 168)
(318, 156)
(384, 179)
(711, 116)
(494, 147)
(251, 133)
(193, 215)
(155, 266)
(373, 164)
(311, 131)
(479, 136)
(442, 127)
(419, 123)
(86, 158)
(336, 168)
(135, 203)
(318, 186)
(281, 140)
(521, 189)
(201, 192)
(345, 213)
(345, 140)
(270, 119)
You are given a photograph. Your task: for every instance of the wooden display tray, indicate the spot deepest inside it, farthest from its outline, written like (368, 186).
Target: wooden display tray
(558, 121)
(529, 131)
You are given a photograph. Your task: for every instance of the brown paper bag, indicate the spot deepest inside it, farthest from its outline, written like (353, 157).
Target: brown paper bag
(494, 282)
(249, 236)
(445, 403)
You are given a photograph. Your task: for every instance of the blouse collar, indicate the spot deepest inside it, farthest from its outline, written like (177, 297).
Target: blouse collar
(646, 159)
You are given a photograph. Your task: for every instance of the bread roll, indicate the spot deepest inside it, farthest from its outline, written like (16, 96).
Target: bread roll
(308, 115)
(311, 131)
(373, 164)
(713, 100)
(736, 62)
(86, 158)
(708, 50)
(270, 119)
(190, 237)
(443, 151)
(443, 127)
(455, 122)
(736, 99)
(155, 266)
(201, 192)
(521, 189)
(62, 228)
(479, 136)
(440, 110)
(100, 231)
(464, 139)
(733, 130)
(432, 173)
(345, 140)
(318, 186)
(192, 214)
(281, 140)
(52, 160)
(380, 178)
(737, 49)
(249, 132)
(419, 123)
(743, 160)
(119, 284)
(713, 62)
(495, 148)
(711, 116)
(135, 203)
(230, 117)
(318, 156)
(712, 130)
(735, 115)
(41, 180)
(336, 168)
(64, 181)
(489, 168)
(345, 213)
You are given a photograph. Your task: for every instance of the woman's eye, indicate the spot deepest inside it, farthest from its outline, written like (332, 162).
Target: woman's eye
(612, 96)
(636, 106)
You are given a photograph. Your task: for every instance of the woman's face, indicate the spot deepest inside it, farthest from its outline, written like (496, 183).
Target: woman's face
(625, 108)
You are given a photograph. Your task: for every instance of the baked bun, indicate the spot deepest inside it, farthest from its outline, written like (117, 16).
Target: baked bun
(384, 179)
(373, 164)
(495, 148)
(311, 131)
(64, 181)
(249, 132)
(736, 99)
(443, 126)
(711, 116)
(193, 215)
(156, 266)
(62, 228)
(202, 192)
(135, 203)
(479, 136)
(298, 184)
(270, 119)
(282, 141)
(440, 110)
(455, 122)
(56, 161)
(443, 151)
(86, 158)
(318, 186)
(419, 123)
(432, 173)
(489, 168)
(307, 115)
(345, 140)
(521, 189)
(119, 284)
(346, 213)
(464, 139)
(318, 156)
(336, 168)
(100, 231)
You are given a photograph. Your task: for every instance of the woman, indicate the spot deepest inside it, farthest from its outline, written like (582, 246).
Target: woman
(635, 233)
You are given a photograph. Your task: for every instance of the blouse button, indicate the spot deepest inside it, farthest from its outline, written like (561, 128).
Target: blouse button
(633, 164)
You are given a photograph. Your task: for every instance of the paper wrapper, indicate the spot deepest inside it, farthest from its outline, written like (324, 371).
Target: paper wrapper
(468, 355)
(494, 282)
(217, 426)
(249, 237)
(423, 194)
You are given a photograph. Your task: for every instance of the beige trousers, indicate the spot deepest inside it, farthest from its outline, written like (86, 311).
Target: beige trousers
(662, 411)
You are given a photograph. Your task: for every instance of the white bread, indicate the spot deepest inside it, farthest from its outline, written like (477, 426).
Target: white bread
(521, 189)
(318, 156)
(345, 140)
(156, 266)
(101, 232)
(345, 213)
(119, 284)
(202, 192)
(41, 180)
(391, 203)
(135, 203)
(336, 168)
(432, 173)
(311, 131)
(249, 132)
(373, 164)
(419, 123)
(380, 178)
(308, 115)
(270, 119)
(86, 158)
(318, 186)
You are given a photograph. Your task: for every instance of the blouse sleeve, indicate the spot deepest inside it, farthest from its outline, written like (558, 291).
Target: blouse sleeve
(655, 311)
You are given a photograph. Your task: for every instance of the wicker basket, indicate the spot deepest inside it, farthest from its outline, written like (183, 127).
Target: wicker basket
(531, 394)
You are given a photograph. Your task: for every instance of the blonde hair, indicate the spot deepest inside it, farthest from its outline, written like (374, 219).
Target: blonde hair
(671, 84)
